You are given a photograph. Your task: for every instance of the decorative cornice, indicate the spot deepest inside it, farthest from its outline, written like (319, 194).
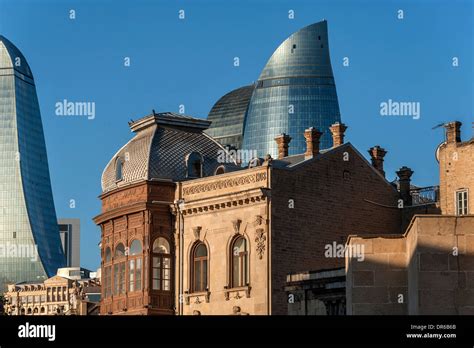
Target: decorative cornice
(216, 185)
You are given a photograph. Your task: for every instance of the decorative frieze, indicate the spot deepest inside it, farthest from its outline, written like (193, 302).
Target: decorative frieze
(224, 184)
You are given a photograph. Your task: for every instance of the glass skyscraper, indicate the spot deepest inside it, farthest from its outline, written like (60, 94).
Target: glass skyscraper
(228, 115)
(295, 91)
(30, 246)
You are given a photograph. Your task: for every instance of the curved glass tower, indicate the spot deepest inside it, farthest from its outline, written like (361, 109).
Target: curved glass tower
(30, 246)
(228, 115)
(295, 91)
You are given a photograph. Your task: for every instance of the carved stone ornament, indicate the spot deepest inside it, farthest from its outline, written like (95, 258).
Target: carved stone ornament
(197, 232)
(236, 224)
(260, 239)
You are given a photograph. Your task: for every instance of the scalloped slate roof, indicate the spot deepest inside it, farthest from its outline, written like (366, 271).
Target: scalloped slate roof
(159, 150)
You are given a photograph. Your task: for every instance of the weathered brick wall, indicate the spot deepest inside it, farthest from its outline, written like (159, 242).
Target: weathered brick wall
(456, 164)
(333, 198)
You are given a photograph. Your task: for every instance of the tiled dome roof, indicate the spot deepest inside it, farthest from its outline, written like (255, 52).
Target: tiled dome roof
(160, 148)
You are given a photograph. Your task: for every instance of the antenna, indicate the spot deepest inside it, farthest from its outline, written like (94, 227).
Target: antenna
(439, 125)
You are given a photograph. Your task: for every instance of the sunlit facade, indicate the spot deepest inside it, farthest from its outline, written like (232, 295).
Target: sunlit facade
(27, 214)
(295, 91)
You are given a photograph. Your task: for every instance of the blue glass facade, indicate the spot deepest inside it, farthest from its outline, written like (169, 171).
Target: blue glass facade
(295, 91)
(27, 214)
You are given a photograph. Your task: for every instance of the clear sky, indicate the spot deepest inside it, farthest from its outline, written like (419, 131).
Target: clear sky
(190, 62)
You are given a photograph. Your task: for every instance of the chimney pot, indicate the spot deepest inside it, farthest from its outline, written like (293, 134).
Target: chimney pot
(404, 175)
(377, 155)
(283, 140)
(338, 130)
(453, 132)
(312, 136)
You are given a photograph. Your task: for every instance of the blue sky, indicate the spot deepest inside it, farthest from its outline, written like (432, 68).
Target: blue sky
(190, 62)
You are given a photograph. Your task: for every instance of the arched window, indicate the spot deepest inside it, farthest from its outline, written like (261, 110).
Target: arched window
(135, 266)
(42, 310)
(119, 270)
(107, 277)
(239, 262)
(119, 169)
(220, 170)
(161, 265)
(199, 268)
(194, 163)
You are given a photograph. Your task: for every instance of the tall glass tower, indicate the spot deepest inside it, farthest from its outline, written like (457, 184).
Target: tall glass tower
(295, 91)
(27, 216)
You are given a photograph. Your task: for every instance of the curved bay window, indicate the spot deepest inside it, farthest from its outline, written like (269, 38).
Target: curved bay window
(239, 262)
(161, 265)
(135, 266)
(119, 270)
(107, 272)
(199, 268)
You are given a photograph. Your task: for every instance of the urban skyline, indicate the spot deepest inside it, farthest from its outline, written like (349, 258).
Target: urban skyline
(73, 142)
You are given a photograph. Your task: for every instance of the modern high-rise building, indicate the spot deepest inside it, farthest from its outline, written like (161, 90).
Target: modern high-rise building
(228, 115)
(295, 91)
(30, 247)
(70, 232)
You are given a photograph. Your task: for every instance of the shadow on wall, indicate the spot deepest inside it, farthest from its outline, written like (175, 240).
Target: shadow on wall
(428, 270)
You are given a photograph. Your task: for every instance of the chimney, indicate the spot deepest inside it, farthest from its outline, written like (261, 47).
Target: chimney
(376, 155)
(312, 136)
(337, 130)
(453, 132)
(282, 141)
(404, 175)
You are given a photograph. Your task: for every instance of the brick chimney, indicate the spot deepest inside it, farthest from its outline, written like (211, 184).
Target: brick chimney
(453, 132)
(337, 130)
(312, 136)
(404, 180)
(283, 140)
(376, 155)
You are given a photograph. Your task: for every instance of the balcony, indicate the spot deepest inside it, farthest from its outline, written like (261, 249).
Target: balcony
(425, 195)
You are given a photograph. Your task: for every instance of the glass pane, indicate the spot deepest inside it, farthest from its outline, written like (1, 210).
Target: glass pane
(161, 246)
(156, 262)
(135, 247)
(201, 251)
(197, 276)
(235, 271)
(119, 250)
(156, 284)
(204, 274)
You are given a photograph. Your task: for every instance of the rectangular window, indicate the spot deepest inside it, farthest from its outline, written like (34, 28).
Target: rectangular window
(462, 202)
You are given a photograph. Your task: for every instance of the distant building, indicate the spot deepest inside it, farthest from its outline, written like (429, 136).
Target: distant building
(70, 232)
(30, 247)
(429, 269)
(70, 292)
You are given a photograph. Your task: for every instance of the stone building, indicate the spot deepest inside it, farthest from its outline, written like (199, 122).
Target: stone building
(70, 292)
(429, 269)
(186, 231)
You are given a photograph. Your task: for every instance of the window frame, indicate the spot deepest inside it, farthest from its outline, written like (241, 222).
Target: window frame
(135, 268)
(162, 281)
(202, 260)
(243, 260)
(465, 202)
